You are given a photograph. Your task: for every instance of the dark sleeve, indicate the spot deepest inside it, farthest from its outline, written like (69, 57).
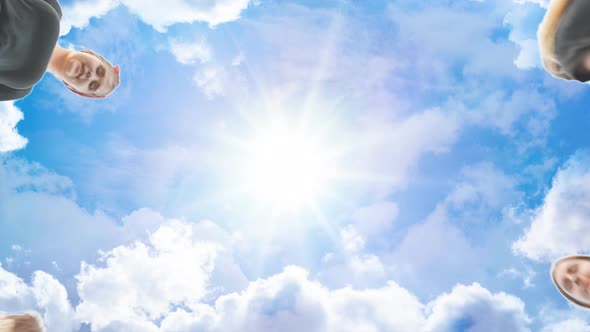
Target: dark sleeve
(29, 30)
(8, 93)
(56, 7)
(572, 39)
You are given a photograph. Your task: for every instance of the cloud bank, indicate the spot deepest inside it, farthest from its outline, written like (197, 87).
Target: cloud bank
(166, 284)
(560, 225)
(10, 139)
(79, 14)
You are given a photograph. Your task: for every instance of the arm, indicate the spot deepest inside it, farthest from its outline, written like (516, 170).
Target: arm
(546, 37)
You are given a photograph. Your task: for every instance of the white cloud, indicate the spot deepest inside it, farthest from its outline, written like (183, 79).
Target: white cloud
(529, 56)
(10, 139)
(475, 309)
(46, 296)
(20, 176)
(186, 11)
(79, 13)
(570, 325)
(214, 12)
(289, 301)
(15, 295)
(212, 80)
(180, 265)
(52, 297)
(352, 241)
(173, 269)
(38, 206)
(435, 247)
(129, 326)
(471, 45)
(375, 219)
(473, 77)
(238, 59)
(559, 226)
(367, 267)
(352, 265)
(521, 112)
(482, 186)
(399, 143)
(189, 53)
(163, 286)
(541, 3)
(558, 316)
(527, 275)
(141, 283)
(443, 246)
(141, 177)
(524, 19)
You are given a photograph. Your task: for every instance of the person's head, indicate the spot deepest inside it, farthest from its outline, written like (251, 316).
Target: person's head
(571, 276)
(22, 323)
(88, 74)
(546, 38)
(555, 69)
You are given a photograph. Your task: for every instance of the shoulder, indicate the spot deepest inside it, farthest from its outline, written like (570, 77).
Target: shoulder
(26, 43)
(8, 93)
(55, 5)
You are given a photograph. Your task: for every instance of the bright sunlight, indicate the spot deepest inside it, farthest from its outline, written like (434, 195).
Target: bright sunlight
(286, 170)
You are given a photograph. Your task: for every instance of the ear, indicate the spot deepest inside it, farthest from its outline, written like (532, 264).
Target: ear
(551, 65)
(555, 68)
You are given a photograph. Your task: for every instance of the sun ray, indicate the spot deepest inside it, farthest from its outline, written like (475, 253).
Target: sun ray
(286, 154)
(320, 73)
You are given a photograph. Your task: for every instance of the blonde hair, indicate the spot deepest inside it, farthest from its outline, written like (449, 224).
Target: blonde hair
(546, 38)
(20, 323)
(563, 292)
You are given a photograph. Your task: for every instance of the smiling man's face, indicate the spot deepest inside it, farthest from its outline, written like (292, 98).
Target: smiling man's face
(572, 275)
(88, 74)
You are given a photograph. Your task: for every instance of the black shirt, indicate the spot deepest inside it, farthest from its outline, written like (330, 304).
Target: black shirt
(29, 30)
(572, 39)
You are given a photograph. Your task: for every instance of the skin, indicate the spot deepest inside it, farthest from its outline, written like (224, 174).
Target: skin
(572, 275)
(83, 71)
(22, 323)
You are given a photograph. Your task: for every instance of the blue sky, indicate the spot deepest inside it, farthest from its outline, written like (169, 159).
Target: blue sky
(445, 171)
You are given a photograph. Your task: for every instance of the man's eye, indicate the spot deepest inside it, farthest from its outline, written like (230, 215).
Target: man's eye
(92, 86)
(567, 284)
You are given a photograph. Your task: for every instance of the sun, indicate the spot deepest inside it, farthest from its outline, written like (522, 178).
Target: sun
(286, 169)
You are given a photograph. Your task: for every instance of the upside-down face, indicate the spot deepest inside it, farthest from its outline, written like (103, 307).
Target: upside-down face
(572, 277)
(88, 74)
